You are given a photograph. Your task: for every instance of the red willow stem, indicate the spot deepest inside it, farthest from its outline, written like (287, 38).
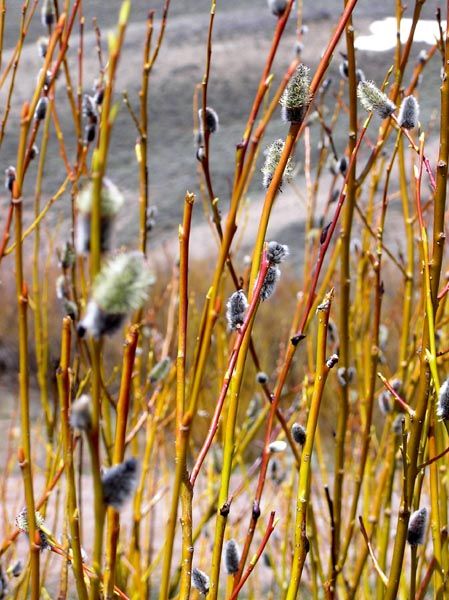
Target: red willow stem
(231, 365)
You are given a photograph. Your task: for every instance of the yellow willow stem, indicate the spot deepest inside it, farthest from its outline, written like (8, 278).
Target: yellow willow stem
(305, 471)
(99, 162)
(39, 322)
(181, 484)
(408, 286)
(345, 293)
(25, 457)
(63, 378)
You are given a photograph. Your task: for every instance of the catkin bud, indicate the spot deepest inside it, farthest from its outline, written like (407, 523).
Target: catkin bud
(397, 424)
(359, 75)
(62, 291)
(231, 557)
(269, 285)
(338, 165)
(41, 109)
(90, 108)
(299, 434)
(277, 7)
(386, 402)
(417, 527)
(99, 96)
(345, 376)
(276, 475)
(90, 131)
(296, 96)
(200, 581)
(15, 569)
(34, 151)
(423, 56)
(343, 165)
(42, 46)
(277, 253)
(325, 85)
(299, 47)
(48, 13)
(343, 67)
(47, 79)
(212, 122)
(277, 446)
(272, 157)
(409, 113)
(81, 413)
(70, 309)
(119, 482)
(261, 377)
(10, 177)
(374, 100)
(332, 361)
(237, 306)
(443, 402)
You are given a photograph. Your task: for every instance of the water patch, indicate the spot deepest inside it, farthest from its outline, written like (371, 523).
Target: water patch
(383, 34)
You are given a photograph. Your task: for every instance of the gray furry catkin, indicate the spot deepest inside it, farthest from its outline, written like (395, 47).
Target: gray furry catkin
(231, 557)
(417, 527)
(409, 113)
(119, 482)
(200, 581)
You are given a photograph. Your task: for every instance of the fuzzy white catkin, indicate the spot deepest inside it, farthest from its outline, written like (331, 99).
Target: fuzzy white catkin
(296, 96)
(122, 284)
(272, 157)
(374, 100)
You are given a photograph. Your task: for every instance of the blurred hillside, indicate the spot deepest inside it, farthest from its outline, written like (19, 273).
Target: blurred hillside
(242, 36)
